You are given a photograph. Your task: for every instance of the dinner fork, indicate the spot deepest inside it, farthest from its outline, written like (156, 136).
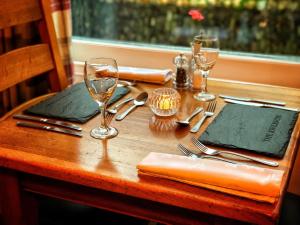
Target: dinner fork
(189, 153)
(210, 151)
(209, 112)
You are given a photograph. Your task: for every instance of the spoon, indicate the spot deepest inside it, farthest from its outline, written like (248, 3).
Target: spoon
(114, 110)
(139, 101)
(186, 121)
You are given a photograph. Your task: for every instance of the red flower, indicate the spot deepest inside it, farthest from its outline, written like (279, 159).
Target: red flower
(196, 14)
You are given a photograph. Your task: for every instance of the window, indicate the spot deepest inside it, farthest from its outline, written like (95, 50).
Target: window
(248, 31)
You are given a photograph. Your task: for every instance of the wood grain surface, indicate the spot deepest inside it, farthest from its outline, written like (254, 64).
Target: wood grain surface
(111, 165)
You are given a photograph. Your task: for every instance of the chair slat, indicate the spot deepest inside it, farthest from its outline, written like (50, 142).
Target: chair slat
(24, 63)
(14, 12)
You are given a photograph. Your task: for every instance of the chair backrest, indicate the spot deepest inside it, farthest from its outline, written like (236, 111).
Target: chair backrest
(26, 62)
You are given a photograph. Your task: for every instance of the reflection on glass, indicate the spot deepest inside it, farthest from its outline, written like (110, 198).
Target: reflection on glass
(101, 78)
(205, 53)
(162, 124)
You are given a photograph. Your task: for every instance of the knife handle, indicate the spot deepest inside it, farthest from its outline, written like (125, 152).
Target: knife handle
(197, 126)
(194, 113)
(269, 102)
(281, 107)
(33, 125)
(49, 128)
(117, 106)
(48, 121)
(122, 116)
(24, 117)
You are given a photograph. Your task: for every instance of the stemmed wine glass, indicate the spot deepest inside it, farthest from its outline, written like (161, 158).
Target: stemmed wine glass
(205, 53)
(101, 78)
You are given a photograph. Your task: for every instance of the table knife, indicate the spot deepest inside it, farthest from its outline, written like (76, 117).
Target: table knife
(253, 100)
(49, 128)
(261, 105)
(48, 121)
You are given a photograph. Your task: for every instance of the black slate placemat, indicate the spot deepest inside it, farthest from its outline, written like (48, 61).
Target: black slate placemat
(263, 130)
(73, 104)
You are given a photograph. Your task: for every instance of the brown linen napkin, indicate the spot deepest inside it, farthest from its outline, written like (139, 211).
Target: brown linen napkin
(256, 183)
(144, 74)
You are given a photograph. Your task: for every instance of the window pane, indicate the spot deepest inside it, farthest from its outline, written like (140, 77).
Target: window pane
(261, 26)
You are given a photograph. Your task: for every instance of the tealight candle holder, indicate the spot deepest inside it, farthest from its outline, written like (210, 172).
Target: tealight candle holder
(164, 101)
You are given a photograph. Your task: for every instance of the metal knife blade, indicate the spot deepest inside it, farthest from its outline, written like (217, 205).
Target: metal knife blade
(49, 128)
(48, 121)
(261, 105)
(253, 100)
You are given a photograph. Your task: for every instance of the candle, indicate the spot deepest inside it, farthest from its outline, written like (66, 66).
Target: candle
(164, 101)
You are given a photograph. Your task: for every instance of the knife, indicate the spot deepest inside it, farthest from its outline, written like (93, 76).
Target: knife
(252, 100)
(260, 105)
(48, 121)
(49, 128)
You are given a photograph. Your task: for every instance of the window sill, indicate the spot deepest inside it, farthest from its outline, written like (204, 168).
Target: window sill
(231, 67)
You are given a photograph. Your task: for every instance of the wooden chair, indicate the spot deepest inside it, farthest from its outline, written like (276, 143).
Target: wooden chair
(23, 63)
(27, 62)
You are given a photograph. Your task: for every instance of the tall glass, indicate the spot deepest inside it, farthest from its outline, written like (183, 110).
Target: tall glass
(101, 78)
(205, 53)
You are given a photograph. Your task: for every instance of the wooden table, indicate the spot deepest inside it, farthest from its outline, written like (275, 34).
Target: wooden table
(103, 173)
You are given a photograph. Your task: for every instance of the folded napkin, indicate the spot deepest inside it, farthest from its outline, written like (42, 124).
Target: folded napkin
(262, 130)
(145, 75)
(256, 183)
(73, 104)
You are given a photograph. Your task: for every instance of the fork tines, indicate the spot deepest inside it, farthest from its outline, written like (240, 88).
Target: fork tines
(198, 144)
(184, 150)
(211, 106)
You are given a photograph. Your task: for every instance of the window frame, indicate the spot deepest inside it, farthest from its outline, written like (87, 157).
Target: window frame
(241, 68)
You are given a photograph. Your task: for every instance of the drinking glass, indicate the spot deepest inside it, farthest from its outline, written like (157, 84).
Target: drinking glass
(205, 53)
(101, 78)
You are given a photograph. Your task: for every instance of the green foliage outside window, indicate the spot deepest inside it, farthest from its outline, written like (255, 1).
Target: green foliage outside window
(262, 26)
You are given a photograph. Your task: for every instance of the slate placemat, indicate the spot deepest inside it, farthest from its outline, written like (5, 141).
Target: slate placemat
(73, 104)
(263, 130)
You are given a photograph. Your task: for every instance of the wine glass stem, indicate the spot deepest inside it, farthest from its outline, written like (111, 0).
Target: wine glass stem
(102, 107)
(204, 81)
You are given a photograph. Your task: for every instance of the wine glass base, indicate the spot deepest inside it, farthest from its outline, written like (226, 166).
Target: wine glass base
(204, 97)
(102, 133)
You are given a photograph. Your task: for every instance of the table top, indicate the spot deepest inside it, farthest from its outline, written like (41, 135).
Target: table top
(111, 164)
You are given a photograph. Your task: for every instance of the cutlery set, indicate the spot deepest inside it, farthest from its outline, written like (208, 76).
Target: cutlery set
(206, 153)
(50, 128)
(55, 125)
(73, 129)
(139, 101)
(209, 153)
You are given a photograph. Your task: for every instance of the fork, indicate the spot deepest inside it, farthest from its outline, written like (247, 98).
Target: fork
(189, 153)
(210, 151)
(208, 113)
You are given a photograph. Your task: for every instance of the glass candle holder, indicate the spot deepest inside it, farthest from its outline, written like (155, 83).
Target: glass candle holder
(164, 101)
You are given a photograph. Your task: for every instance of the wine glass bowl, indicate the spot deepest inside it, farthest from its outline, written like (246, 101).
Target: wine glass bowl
(101, 78)
(205, 53)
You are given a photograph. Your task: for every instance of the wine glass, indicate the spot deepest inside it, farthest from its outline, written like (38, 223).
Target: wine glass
(205, 54)
(101, 78)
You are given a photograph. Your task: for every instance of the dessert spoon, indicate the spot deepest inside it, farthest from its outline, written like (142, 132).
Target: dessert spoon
(139, 101)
